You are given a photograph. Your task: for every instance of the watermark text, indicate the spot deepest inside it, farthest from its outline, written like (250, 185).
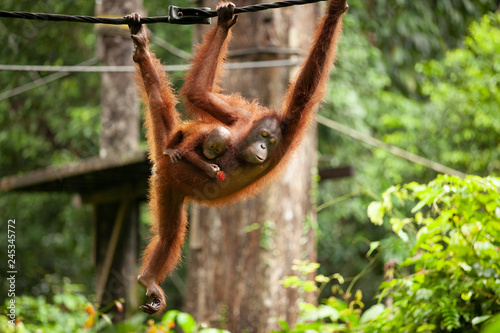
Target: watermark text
(11, 271)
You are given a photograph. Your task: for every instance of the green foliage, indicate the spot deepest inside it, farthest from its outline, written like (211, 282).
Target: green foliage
(68, 310)
(171, 321)
(449, 282)
(492, 326)
(454, 236)
(183, 320)
(449, 128)
(461, 118)
(334, 314)
(411, 31)
(51, 124)
(383, 86)
(58, 121)
(63, 312)
(52, 238)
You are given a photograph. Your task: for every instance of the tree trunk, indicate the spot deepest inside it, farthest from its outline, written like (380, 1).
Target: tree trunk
(120, 118)
(116, 221)
(239, 253)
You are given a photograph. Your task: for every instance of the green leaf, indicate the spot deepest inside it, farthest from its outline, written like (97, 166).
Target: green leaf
(493, 326)
(481, 319)
(420, 278)
(491, 206)
(325, 311)
(420, 204)
(170, 316)
(251, 227)
(321, 312)
(322, 279)
(426, 328)
(284, 325)
(339, 278)
(465, 266)
(107, 319)
(291, 281)
(373, 247)
(376, 212)
(186, 322)
(466, 296)
(372, 313)
(309, 286)
(403, 235)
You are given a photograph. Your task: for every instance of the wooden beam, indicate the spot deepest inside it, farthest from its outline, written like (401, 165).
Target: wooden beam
(93, 174)
(336, 173)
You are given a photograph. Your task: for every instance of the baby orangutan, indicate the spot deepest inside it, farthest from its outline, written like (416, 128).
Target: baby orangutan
(196, 138)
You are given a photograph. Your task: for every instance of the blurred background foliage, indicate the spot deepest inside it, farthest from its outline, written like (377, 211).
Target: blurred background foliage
(420, 75)
(415, 76)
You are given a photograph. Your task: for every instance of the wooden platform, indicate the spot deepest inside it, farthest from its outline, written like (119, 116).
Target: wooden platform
(87, 177)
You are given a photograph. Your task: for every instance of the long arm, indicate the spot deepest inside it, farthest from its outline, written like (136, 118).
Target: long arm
(200, 90)
(161, 119)
(209, 168)
(310, 86)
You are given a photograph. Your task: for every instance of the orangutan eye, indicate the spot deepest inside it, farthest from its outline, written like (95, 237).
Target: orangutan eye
(211, 146)
(272, 140)
(265, 134)
(217, 150)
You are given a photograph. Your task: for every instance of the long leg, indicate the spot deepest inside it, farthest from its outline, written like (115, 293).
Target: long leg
(164, 251)
(199, 88)
(161, 119)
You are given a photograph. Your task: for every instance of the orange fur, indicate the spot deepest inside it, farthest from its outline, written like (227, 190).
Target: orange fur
(174, 183)
(161, 121)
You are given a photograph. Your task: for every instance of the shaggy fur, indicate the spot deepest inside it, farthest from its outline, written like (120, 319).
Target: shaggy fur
(175, 183)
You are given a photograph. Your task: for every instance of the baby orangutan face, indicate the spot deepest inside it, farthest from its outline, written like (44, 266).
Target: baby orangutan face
(216, 142)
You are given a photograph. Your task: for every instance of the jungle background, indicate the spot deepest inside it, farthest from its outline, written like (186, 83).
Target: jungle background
(420, 75)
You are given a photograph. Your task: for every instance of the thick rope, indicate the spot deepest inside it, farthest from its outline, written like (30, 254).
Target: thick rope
(177, 15)
(259, 7)
(78, 18)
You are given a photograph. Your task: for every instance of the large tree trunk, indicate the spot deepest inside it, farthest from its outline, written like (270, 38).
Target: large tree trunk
(239, 253)
(120, 118)
(116, 220)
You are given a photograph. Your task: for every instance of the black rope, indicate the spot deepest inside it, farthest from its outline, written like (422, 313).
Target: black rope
(177, 15)
(78, 18)
(265, 6)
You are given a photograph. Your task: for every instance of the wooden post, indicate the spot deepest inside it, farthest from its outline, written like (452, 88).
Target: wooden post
(116, 222)
(116, 244)
(238, 254)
